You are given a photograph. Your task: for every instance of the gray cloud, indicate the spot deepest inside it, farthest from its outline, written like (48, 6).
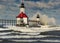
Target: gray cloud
(11, 7)
(50, 4)
(2, 6)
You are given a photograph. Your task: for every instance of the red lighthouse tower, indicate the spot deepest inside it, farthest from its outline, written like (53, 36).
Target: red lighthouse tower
(22, 18)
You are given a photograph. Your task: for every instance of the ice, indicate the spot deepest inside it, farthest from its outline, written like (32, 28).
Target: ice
(50, 40)
(5, 33)
(29, 36)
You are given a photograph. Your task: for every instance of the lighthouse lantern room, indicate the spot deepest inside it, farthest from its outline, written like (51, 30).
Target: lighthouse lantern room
(22, 18)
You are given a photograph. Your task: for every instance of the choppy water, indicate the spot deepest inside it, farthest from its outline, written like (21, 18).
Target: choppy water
(10, 36)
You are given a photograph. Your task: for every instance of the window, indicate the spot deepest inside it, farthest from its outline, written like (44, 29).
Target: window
(21, 20)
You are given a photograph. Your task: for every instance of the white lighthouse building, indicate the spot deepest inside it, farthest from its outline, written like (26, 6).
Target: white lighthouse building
(22, 18)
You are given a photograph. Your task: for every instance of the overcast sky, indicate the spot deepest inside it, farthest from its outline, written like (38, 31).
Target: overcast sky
(9, 9)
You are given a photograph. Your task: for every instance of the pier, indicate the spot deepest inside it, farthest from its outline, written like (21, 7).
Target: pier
(7, 22)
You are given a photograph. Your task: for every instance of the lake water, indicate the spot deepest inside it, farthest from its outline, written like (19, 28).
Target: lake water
(10, 36)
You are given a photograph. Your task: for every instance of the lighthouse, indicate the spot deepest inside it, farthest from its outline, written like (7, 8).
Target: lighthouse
(22, 18)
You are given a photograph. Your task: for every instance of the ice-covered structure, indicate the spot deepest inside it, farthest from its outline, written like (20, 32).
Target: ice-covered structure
(23, 19)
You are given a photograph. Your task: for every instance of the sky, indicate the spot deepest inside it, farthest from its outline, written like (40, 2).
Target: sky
(9, 9)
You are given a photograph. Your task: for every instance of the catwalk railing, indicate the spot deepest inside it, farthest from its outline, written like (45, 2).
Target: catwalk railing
(7, 22)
